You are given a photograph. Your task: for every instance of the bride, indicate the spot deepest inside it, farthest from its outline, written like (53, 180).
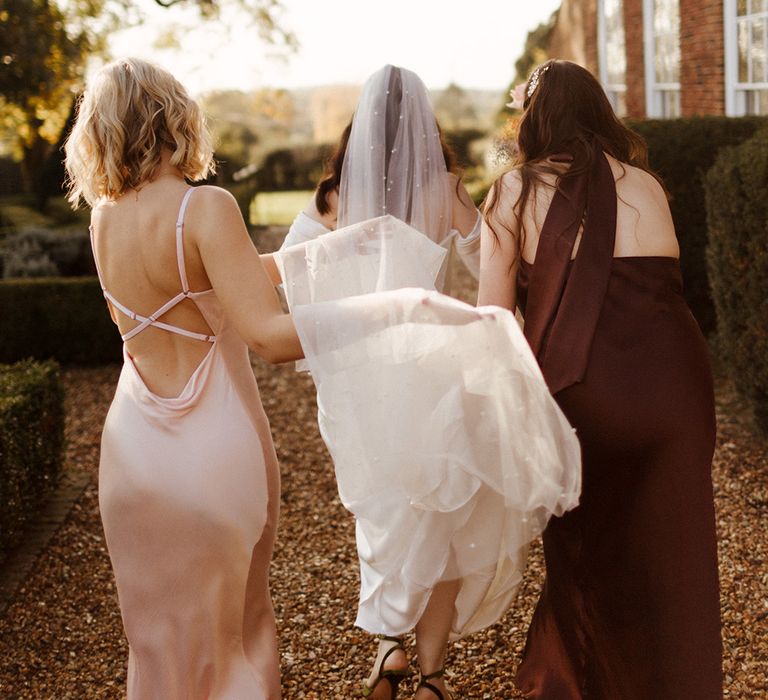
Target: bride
(447, 446)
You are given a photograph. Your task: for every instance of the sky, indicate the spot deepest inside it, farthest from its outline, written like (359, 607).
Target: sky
(473, 43)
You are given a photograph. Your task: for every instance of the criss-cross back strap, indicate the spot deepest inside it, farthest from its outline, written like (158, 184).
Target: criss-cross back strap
(153, 318)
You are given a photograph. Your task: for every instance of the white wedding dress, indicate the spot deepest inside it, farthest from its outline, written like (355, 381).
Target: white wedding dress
(304, 229)
(447, 444)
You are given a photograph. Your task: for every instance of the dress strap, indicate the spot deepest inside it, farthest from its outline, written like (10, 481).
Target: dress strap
(152, 320)
(564, 306)
(180, 241)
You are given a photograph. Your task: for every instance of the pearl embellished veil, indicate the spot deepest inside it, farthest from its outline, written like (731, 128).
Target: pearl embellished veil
(394, 161)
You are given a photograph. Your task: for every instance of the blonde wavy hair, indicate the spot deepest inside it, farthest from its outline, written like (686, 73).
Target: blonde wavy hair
(131, 110)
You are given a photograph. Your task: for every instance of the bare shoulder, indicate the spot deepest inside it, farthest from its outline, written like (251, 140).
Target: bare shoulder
(459, 192)
(99, 211)
(332, 198)
(510, 184)
(505, 191)
(213, 213)
(636, 179)
(500, 203)
(211, 198)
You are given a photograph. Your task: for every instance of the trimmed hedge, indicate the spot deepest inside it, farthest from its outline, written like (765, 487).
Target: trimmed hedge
(65, 318)
(681, 151)
(31, 443)
(46, 252)
(737, 216)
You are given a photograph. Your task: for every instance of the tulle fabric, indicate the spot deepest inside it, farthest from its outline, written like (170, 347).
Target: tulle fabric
(447, 445)
(394, 161)
(371, 256)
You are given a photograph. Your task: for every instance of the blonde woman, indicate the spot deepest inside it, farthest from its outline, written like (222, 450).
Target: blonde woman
(188, 479)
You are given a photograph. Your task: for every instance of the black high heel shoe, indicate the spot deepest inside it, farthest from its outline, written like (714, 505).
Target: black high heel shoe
(424, 683)
(393, 676)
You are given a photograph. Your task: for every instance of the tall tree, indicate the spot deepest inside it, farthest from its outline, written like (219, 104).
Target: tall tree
(44, 45)
(454, 109)
(41, 63)
(535, 51)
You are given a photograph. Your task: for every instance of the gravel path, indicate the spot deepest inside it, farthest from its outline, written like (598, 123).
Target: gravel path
(62, 637)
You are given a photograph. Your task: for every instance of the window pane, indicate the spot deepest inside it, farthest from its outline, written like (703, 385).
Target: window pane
(758, 51)
(666, 29)
(618, 100)
(743, 41)
(615, 47)
(756, 102)
(670, 103)
(741, 8)
(620, 106)
(762, 102)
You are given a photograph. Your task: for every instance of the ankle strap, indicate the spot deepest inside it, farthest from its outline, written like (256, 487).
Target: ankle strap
(435, 674)
(424, 682)
(387, 638)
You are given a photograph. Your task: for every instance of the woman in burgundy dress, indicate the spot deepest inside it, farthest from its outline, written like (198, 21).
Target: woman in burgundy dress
(579, 236)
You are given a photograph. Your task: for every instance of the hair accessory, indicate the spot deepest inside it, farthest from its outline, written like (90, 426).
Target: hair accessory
(517, 94)
(536, 77)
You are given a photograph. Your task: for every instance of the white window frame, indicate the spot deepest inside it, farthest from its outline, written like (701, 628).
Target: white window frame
(653, 90)
(611, 89)
(735, 103)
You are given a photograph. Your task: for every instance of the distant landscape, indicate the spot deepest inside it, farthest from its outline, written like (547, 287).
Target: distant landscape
(250, 125)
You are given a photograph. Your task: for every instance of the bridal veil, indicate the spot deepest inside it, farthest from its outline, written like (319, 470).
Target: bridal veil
(394, 162)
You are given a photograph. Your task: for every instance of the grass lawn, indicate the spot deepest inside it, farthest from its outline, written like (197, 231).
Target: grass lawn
(277, 208)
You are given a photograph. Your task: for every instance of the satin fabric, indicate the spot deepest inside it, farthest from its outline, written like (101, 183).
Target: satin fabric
(188, 490)
(566, 298)
(630, 606)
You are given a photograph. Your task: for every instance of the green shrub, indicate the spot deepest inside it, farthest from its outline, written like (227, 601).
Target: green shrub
(65, 318)
(460, 141)
(243, 192)
(737, 216)
(31, 443)
(682, 151)
(46, 252)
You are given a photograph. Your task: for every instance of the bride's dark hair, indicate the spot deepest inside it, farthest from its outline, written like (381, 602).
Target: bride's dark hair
(332, 176)
(567, 113)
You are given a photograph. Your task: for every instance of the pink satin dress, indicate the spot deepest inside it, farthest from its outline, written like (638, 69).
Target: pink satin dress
(188, 490)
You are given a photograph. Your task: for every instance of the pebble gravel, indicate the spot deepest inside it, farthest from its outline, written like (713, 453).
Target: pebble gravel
(62, 639)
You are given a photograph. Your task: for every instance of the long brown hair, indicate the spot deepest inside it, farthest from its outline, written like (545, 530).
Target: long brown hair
(333, 165)
(566, 112)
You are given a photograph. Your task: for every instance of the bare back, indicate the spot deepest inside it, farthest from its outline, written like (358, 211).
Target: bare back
(644, 227)
(644, 224)
(135, 244)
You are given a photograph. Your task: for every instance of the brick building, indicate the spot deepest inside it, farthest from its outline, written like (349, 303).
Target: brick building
(670, 58)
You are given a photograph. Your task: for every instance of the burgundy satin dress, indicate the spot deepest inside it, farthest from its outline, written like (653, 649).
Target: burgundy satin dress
(630, 607)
